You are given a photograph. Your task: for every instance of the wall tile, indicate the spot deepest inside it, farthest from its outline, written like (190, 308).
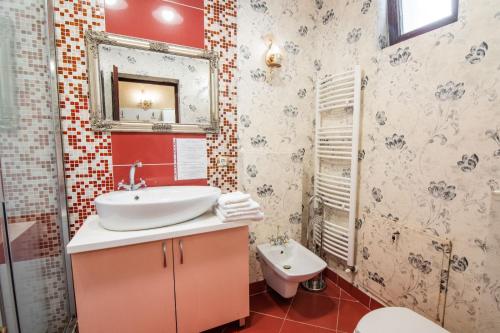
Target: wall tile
(149, 148)
(154, 175)
(192, 3)
(158, 20)
(89, 155)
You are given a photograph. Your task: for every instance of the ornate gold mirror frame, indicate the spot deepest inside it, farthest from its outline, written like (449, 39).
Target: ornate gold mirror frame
(97, 116)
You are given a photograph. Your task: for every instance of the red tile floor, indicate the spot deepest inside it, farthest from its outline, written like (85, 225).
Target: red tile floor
(332, 310)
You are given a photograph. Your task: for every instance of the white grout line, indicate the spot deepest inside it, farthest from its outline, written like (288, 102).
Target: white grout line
(286, 315)
(301, 322)
(356, 301)
(308, 292)
(295, 321)
(143, 164)
(265, 314)
(338, 311)
(318, 294)
(183, 4)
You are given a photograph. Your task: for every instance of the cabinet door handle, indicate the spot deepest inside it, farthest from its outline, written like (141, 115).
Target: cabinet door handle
(181, 248)
(164, 247)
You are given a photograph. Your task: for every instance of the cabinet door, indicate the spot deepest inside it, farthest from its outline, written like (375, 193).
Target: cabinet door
(211, 279)
(125, 289)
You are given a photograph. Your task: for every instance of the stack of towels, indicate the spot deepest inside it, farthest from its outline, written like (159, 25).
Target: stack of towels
(238, 206)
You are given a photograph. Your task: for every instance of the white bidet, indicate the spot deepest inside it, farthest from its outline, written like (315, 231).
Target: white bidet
(285, 266)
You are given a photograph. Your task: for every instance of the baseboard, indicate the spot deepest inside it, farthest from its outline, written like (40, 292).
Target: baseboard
(358, 294)
(363, 297)
(257, 287)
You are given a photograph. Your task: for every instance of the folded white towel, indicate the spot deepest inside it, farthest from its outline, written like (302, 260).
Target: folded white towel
(229, 210)
(239, 213)
(233, 197)
(238, 205)
(257, 216)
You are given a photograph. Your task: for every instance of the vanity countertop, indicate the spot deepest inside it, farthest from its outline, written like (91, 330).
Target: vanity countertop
(92, 236)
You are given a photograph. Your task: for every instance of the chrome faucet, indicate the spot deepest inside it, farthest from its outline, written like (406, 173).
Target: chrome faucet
(132, 186)
(281, 240)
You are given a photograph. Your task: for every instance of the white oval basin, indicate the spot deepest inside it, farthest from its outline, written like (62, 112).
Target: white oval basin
(154, 207)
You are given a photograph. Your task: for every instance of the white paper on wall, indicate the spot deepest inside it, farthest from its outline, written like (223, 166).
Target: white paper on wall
(190, 159)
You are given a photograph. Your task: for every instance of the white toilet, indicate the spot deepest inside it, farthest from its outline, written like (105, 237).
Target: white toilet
(285, 266)
(396, 320)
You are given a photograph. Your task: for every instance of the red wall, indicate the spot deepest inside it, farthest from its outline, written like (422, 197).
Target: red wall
(178, 22)
(155, 151)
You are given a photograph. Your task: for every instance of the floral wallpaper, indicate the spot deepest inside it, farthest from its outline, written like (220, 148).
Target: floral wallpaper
(489, 299)
(429, 157)
(275, 110)
(193, 75)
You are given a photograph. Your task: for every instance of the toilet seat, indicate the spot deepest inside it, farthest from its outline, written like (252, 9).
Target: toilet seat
(396, 320)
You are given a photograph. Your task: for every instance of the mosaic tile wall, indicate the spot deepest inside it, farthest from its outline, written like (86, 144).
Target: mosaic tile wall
(88, 155)
(220, 36)
(28, 167)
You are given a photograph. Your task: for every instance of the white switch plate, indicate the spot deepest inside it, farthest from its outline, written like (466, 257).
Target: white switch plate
(222, 161)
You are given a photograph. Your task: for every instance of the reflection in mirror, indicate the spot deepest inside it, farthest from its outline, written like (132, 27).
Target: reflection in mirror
(139, 85)
(147, 86)
(142, 98)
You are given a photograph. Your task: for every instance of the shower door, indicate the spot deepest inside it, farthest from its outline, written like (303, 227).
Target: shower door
(33, 279)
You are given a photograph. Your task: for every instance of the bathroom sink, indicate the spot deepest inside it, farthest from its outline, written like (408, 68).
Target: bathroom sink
(154, 207)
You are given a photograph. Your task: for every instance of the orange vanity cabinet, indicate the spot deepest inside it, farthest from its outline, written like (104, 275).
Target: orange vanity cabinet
(185, 285)
(211, 279)
(125, 289)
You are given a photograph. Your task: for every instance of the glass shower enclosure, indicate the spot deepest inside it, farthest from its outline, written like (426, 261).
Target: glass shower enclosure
(36, 296)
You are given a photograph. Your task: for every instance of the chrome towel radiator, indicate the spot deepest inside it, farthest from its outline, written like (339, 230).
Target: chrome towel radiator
(338, 100)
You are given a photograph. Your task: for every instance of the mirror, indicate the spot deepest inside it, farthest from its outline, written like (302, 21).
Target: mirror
(138, 85)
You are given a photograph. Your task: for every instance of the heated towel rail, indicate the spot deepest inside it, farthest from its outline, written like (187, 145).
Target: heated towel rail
(338, 99)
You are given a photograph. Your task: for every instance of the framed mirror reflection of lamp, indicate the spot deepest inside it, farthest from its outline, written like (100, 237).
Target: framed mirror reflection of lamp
(138, 85)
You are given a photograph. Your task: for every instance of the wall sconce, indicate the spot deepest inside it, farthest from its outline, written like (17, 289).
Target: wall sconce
(145, 103)
(273, 56)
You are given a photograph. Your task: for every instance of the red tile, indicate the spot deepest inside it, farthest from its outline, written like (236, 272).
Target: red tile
(354, 292)
(158, 20)
(258, 323)
(332, 290)
(329, 274)
(375, 304)
(344, 284)
(295, 327)
(270, 303)
(349, 315)
(346, 296)
(154, 175)
(149, 148)
(257, 287)
(192, 3)
(200, 182)
(315, 310)
(360, 296)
